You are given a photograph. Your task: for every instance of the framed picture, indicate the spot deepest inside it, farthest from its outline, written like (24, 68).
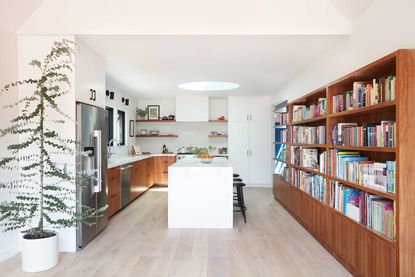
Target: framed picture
(153, 112)
(131, 130)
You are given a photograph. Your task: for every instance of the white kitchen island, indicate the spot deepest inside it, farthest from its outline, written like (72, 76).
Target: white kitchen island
(200, 195)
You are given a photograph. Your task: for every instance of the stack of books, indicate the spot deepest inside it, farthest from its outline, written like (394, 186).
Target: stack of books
(313, 185)
(383, 135)
(308, 134)
(307, 157)
(353, 167)
(365, 94)
(281, 118)
(303, 112)
(374, 211)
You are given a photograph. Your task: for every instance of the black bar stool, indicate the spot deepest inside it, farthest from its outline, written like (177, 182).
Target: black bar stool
(238, 196)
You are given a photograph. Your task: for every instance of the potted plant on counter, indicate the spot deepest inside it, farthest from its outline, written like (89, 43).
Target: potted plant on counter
(45, 189)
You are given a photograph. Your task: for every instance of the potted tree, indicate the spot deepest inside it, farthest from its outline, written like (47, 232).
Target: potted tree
(45, 190)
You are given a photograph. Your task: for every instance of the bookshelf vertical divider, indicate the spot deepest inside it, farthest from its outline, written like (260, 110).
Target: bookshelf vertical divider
(363, 251)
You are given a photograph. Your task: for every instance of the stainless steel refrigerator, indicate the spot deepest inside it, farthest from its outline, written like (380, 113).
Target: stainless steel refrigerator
(91, 133)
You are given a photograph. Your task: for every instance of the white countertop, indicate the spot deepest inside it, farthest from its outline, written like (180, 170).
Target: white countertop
(194, 162)
(117, 161)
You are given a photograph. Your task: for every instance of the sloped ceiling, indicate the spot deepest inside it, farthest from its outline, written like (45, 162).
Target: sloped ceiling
(14, 13)
(134, 17)
(352, 9)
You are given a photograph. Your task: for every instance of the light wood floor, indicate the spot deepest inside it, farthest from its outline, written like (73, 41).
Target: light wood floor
(138, 243)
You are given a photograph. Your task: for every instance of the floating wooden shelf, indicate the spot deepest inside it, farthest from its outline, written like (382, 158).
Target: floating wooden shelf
(364, 148)
(156, 136)
(218, 136)
(311, 120)
(217, 121)
(155, 121)
(279, 142)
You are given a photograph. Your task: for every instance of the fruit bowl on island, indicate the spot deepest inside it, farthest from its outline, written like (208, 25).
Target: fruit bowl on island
(205, 158)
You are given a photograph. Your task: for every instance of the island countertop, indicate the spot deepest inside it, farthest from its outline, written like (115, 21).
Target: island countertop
(194, 162)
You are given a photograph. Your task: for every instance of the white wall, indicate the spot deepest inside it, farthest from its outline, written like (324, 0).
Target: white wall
(37, 47)
(382, 29)
(189, 133)
(130, 114)
(9, 242)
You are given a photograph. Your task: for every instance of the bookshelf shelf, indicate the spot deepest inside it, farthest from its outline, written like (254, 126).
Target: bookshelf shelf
(279, 160)
(218, 121)
(309, 170)
(311, 120)
(218, 136)
(279, 142)
(309, 145)
(368, 189)
(365, 148)
(374, 108)
(352, 243)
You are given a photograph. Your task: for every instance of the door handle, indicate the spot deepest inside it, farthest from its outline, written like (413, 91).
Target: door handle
(98, 162)
(247, 117)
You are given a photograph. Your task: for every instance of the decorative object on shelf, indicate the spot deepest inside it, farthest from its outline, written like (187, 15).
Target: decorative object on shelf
(221, 118)
(154, 132)
(172, 117)
(164, 118)
(45, 188)
(132, 133)
(141, 114)
(153, 112)
(143, 132)
(223, 150)
(165, 150)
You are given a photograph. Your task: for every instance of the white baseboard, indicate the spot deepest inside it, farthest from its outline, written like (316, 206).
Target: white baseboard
(9, 252)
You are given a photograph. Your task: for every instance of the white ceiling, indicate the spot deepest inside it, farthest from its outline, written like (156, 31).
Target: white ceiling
(153, 66)
(152, 46)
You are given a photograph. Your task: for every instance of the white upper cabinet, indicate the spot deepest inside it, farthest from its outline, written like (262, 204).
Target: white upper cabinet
(192, 108)
(241, 108)
(89, 77)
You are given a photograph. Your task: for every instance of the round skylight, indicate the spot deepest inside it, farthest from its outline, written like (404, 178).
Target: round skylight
(208, 86)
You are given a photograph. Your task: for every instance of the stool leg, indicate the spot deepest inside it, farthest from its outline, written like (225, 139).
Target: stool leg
(243, 208)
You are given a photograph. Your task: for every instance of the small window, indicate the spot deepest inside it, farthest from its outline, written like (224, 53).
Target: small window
(110, 123)
(121, 127)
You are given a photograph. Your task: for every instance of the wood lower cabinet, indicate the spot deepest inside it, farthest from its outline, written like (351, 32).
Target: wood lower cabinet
(360, 250)
(114, 190)
(144, 174)
(161, 169)
(139, 178)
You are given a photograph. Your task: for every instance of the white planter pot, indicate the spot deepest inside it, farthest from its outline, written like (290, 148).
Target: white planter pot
(39, 254)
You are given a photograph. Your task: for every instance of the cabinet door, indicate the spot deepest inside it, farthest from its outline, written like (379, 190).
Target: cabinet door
(150, 171)
(239, 148)
(259, 154)
(260, 109)
(89, 74)
(238, 108)
(114, 191)
(135, 181)
(142, 179)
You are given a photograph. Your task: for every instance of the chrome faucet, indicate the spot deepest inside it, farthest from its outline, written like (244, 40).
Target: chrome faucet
(109, 147)
(180, 149)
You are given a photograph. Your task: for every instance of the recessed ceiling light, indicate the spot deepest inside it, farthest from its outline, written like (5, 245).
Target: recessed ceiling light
(208, 86)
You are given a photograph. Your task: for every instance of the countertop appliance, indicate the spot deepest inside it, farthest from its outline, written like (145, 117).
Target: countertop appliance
(91, 133)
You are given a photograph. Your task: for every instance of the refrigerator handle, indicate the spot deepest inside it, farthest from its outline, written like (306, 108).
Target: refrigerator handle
(98, 164)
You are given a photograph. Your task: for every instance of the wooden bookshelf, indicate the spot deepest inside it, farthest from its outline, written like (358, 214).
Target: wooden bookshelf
(363, 251)
(218, 136)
